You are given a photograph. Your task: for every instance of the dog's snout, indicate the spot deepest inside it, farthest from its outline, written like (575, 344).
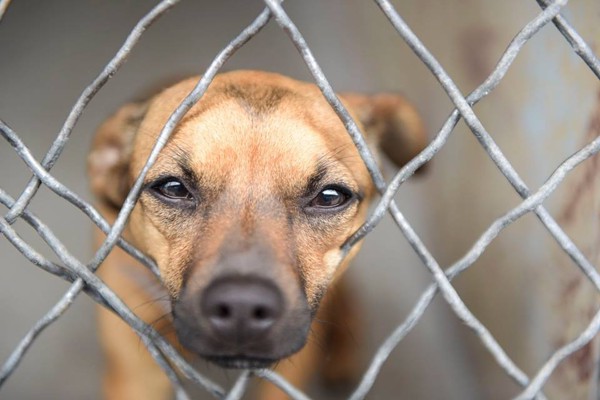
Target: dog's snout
(242, 321)
(247, 310)
(239, 311)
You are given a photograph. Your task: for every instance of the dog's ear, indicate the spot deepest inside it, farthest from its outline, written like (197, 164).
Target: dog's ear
(108, 161)
(391, 123)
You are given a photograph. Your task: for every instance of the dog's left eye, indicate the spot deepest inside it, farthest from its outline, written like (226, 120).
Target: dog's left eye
(173, 189)
(330, 198)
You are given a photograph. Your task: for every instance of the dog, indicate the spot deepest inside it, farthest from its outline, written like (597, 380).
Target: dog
(244, 212)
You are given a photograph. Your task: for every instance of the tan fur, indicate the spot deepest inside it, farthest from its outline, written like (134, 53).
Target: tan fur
(254, 141)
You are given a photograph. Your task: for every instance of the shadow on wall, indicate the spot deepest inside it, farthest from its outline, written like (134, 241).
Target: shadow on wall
(538, 115)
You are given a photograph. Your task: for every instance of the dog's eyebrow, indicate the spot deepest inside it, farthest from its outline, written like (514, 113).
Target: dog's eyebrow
(184, 161)
(316, 178)
(323, 168)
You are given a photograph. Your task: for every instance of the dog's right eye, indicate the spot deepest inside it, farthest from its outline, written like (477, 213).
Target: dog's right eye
(173, 189)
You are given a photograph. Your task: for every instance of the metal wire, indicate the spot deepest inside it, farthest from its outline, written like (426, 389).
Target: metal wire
(83, 277)
(3, 7)
(86, 96)
(239, 388)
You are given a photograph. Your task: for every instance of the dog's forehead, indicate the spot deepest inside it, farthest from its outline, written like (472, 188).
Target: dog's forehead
(254, 122)
(228, 142)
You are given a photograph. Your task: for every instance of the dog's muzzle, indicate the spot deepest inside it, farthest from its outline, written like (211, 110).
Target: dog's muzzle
(241, 322)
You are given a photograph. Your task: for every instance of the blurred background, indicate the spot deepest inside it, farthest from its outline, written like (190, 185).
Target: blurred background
(539, 115)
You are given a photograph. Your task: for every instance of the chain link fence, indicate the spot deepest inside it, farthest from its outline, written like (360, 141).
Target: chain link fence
(82, 274)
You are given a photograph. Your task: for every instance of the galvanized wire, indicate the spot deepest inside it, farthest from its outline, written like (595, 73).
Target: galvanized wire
(86, 96)
(83, 277)
(240, 386)
(588, 334)
(580, 47)
(467, 260)
(280, 382)
(3, 7)
(485, 138)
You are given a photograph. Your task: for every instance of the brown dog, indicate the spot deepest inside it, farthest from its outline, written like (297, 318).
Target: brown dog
(244, 212)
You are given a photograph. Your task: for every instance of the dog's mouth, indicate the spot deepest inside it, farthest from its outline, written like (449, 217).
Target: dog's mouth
(241, 362)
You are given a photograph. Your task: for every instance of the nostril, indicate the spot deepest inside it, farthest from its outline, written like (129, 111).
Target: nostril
(261, 313)
(222, 311)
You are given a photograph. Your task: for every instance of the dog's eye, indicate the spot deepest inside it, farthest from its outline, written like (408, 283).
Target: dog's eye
(330, 197)
(173, 189)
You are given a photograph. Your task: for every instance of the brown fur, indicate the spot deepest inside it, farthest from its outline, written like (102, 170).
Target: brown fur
(257, 148)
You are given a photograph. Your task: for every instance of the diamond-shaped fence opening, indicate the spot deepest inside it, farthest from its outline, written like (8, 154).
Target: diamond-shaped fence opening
(82, 274)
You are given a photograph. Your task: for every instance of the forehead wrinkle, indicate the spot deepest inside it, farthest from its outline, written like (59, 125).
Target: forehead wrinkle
(256, 99)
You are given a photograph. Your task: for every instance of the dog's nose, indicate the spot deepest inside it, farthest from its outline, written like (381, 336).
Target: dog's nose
(239, 311)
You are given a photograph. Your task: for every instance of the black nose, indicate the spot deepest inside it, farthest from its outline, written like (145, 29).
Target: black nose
(241, 310)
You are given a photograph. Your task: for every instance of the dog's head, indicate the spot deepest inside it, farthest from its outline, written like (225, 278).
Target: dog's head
(248, 204)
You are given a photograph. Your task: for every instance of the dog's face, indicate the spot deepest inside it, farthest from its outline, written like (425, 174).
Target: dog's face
(248, 204)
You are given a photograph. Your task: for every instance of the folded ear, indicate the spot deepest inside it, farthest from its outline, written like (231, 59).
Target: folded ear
(108, 161)
(391, 122)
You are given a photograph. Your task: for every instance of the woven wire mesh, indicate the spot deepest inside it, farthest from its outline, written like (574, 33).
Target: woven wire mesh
(174, 365)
